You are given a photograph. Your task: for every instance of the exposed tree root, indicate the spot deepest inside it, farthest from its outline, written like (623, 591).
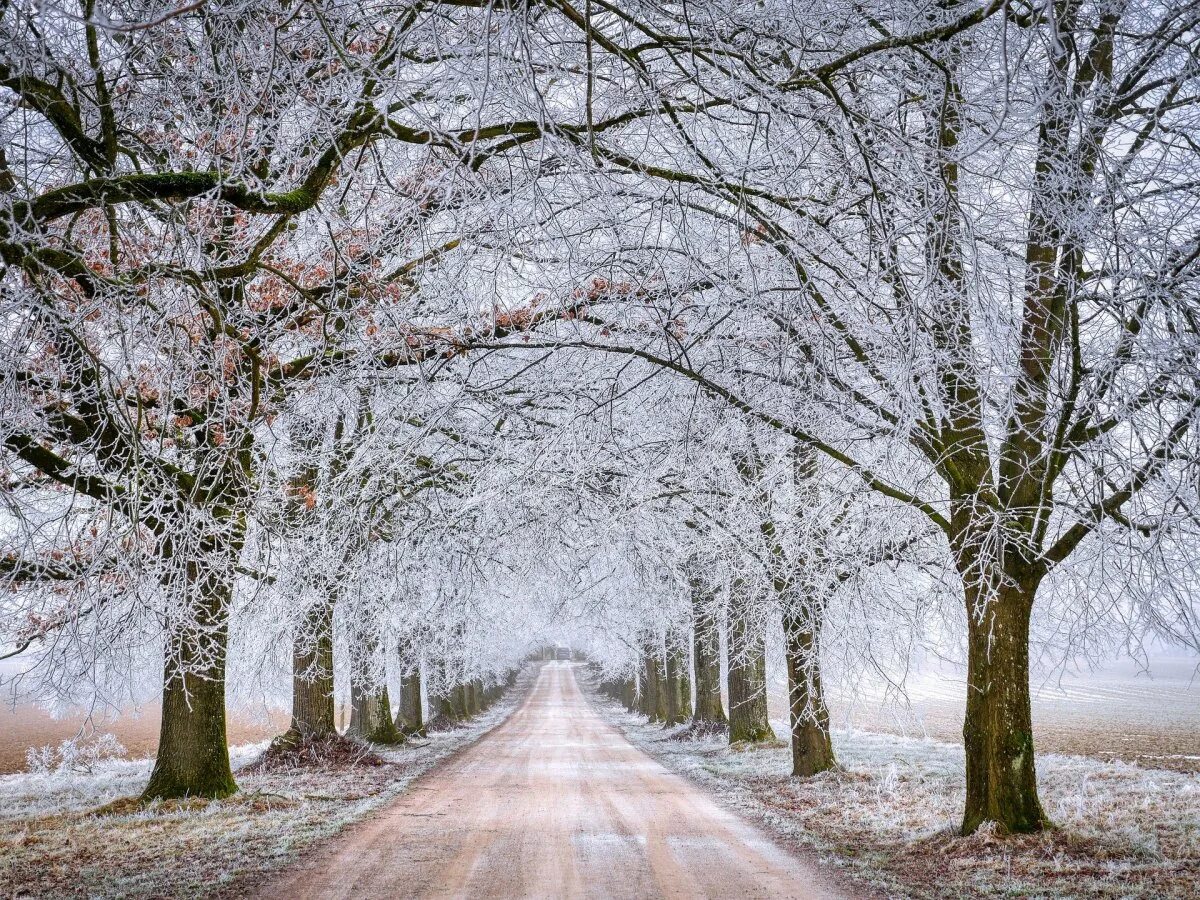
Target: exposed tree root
(444, 723)
(292, 751)
(699, 731)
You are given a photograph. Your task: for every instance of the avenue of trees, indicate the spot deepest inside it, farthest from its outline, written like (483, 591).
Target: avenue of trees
(360, 349)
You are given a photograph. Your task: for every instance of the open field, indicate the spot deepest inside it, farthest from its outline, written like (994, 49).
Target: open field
(27, 726)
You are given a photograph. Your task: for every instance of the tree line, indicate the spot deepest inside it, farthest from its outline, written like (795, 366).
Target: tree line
(420, 323)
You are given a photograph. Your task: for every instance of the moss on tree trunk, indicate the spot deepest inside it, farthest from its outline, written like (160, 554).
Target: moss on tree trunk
(193, 756)
(812, 749)
(410, 719)
(709, 712)
(371, 715)
(998, 729)
(747, 678)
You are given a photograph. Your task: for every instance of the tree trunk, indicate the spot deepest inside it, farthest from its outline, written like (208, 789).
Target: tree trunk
(684, 669)
(475, 697)
(410, 720)
(312, 677)
(998, 730)
(747, 680)
(629, 694)
(370, 706)
(812, 749)
(193, 756)
(671, 690)
(371, 715)
(446, 715)
(707, 648)
(653, 699)
(660, 691)
(458, 698)
(677, 688)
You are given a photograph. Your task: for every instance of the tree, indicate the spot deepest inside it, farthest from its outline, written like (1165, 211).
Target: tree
(1039, 435)
(709, 713)
(175, 272)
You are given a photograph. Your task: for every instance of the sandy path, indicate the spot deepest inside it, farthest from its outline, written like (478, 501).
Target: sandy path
(553, 803)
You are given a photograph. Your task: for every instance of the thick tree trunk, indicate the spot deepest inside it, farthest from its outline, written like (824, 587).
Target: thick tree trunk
(312, 677)
(678, 687)
(685, 684)
(812, 749)
(193, 756)
(443, 709)
(747, 682)
(654, 697)
(707, 649)
(660, 694)
(371, 715)
(410, 720)
(446, 713)
(475, 697)
(671, 690)
(458, 698)
(370, 706)
(998, 730)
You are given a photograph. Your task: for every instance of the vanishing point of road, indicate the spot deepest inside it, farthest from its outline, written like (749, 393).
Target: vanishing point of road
(554, 802)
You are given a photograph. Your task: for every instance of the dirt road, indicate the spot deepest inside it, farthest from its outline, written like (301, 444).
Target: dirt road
(553, 803)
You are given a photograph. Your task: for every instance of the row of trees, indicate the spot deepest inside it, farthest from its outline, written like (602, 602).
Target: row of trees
(447, 326)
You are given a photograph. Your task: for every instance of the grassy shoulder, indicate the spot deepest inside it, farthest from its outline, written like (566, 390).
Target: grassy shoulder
(889, 818)
(83, 834)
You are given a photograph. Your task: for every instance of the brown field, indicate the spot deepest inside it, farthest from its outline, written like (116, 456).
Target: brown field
(1115, 713)
(27, 726)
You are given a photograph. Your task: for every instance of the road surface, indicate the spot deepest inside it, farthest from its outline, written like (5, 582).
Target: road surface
(552, 803)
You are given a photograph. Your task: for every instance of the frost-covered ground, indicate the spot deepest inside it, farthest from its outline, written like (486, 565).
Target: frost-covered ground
(890, 817)
(57, 840)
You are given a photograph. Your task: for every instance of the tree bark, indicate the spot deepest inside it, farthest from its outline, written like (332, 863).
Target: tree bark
(371, 715)
(446, 713)
(812, 749)
(443, 710)
(312, 677)
(629, 693)
(410, 719)
(193, 756)
(475, 697)
(709, 712)
(685, 683)
(998, 729)
(678, 687)
(747, 681)
(370, 707)
(671, 690)
(654, 695)
(458, 699)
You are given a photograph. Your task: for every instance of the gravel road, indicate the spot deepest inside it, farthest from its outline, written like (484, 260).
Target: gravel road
(552, 803)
